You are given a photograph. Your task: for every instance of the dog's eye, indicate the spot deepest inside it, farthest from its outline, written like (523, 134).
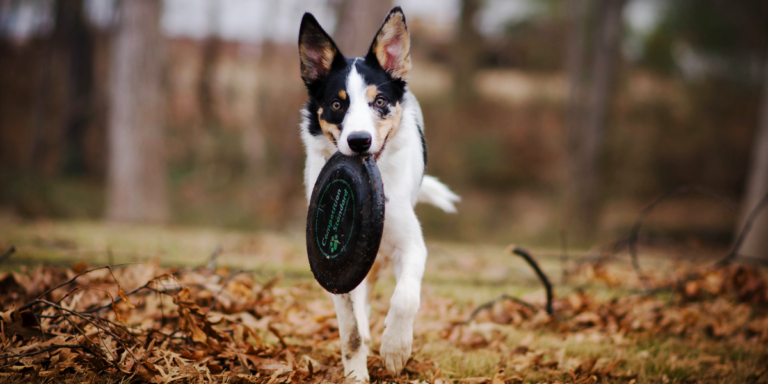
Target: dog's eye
(380, 101)
(335, 105)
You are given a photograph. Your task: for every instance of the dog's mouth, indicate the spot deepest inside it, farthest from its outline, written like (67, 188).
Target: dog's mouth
(375, 155)
(383, 146)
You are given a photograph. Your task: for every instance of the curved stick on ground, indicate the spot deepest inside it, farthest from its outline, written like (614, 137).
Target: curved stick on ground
(744, 232)
(490, 304)
(544, 280)
(647, 210)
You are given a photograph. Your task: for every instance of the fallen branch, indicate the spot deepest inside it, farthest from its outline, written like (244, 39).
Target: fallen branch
(70, 281)
(544, 280)
(633, 236)
(490, 304)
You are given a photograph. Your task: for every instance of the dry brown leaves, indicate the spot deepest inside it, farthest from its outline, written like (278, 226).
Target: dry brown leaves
(729, 302)
(166, 325)
(161, 326)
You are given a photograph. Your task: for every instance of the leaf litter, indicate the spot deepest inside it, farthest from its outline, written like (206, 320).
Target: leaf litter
(145, 323)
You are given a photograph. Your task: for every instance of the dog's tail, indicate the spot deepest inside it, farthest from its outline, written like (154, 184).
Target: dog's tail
(436, 193)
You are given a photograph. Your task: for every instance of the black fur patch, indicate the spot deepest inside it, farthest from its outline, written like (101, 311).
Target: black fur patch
(323, 93)
(392, 89)
(423, 146)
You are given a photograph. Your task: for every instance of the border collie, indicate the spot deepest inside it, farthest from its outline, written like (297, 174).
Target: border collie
(363, 105)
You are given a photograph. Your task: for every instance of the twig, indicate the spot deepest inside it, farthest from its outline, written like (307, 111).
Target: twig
(8, 253)
(563, 255)
(601, 253)
(744, 232)
(489, 304)
(120, 299)
(224, 285)
(275, 332)
(46, 349)
(647, 210)
(544, 280)
(92, 320)
(70, 281)
(212, 259)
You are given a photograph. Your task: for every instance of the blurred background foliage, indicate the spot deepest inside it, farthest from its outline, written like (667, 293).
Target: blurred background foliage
(491, 77)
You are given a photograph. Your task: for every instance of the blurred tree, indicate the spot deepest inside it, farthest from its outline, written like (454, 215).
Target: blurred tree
(357, 24)
(726, 37)
(136, 172)
(726, 40)
(467, 48)
(210, 54)
(589, 103)
(73, 51)
(756, 243)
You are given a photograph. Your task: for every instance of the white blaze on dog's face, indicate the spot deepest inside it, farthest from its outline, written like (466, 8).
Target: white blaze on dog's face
(356, 103)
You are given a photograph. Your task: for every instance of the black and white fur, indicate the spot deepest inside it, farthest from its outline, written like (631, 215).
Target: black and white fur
(363, 105)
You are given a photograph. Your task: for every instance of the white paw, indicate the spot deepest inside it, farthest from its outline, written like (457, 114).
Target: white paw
(396, 345)
(361, 376)
(357, 368)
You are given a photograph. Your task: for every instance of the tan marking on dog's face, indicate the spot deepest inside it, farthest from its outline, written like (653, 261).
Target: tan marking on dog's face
(331, 131)
(343, 94)
(371, 92)
(386, 126)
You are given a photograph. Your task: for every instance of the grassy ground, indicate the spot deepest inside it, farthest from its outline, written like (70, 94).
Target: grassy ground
(458, 278)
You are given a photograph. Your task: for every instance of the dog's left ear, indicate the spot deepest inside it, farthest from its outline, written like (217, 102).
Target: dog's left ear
(391, 47)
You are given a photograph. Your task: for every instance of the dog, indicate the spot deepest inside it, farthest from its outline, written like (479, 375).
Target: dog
(363, 106)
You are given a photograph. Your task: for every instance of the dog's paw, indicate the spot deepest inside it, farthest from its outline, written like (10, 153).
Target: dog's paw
(360, 375)
(356, 367)
(395, 349)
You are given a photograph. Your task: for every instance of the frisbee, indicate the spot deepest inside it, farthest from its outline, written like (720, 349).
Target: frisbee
(345, 221)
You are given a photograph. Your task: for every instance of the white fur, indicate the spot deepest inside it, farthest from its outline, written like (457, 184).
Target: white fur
(401, 165)
(359, 117)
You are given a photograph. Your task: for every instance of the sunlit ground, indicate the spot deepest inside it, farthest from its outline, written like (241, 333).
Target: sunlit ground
(459, 277)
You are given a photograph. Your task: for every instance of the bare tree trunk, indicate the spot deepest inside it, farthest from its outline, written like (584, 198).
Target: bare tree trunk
(358, 22)
(587, 129)
(136, 173)
(73, 51)
(210, 55)
(467, 45)
(756, 243)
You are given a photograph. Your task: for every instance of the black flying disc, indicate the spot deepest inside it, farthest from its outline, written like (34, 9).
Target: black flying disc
(345, 221)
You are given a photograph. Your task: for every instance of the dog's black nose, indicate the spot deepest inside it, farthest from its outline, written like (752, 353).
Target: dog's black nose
(359, 141)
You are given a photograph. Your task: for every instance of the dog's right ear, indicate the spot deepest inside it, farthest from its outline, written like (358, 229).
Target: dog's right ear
(317, 50)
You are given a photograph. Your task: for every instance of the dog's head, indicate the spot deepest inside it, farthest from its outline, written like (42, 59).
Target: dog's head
(356, 103)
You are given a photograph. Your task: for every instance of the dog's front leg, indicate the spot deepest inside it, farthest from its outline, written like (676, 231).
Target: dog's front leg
(409, 255)
(354, 331)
